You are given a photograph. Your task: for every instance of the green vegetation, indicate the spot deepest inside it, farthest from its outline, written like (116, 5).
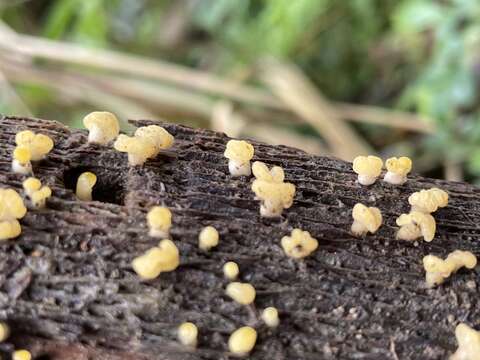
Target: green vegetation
(411, 55)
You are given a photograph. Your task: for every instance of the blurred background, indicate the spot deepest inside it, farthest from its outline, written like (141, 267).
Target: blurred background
(341, 78)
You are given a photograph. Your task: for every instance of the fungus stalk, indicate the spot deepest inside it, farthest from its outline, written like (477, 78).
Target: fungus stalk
(239, 153)
(159, 221)
(365, 219)
(242, 341)
(242, 293)
(11, 209)
(103, 127)
(397, 170)
(415, 225)
(368, 169)
(187, 334)
(299, 244)
(468, 343)
(437, 270)
(162, 258)
(85, 183)
(21, 161)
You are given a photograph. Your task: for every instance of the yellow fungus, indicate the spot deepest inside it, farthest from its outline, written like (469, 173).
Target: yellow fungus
(242, 341)
(11, 209)
(4, 331)
(21, 355)
(187, 334)
(428, 201)
(21, 160)
(103, 127)
(231, 270)
(397, 170)
(299, 244)
(208, 238)
(243, 293)
(270, 317)
(468, 343)
(365, 219)
(85, 183)
(261, 172)
(437, 270)
(31, 185)
(162, 258)
(160, 137)
(39, 198)
(9, 229)
(239, 153)
(274, 196)
(38, 144)
(415, 225)
(139, 149)
(368, 168)
(159, 221)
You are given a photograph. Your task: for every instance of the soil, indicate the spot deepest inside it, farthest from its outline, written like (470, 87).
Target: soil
(68, 291)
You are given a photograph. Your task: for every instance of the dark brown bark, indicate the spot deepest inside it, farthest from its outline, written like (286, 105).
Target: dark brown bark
(68, 291)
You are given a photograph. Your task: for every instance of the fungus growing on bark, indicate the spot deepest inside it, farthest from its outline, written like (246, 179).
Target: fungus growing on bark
(468, 343)
(428, 201)
(162, 258)
(231, 270)
(39, 145)
(242, 293)
(397, 170)
(160, 137)
(159, 221)
(21, 355)
(21, 160)
(208, 238)
(365, 219)
(270, 317)
(103, 127)
(11, 209)
(415, 225)
(139, 149)
(85, 183)
(437, 270)
(242, 341)
(187, 334)
(239, 153)
(299, 244)
(368, 169)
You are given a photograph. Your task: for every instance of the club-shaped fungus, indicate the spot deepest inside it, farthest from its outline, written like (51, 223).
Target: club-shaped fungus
(239, 153)
(242, 293)
(37, 193)
(160, 137)
(428, 201)
(365, 219)
(437, 270)
(103, 127)
(159, 221)
(397, 170)
(368, 168)
(85, 183)
(270, 317)
(187, 334)
(21, 160)
(208, 238)
(4, 331)
(299, 244)
(242, 341)
(468, 343)
(231, 270)
(38, 144)
(21, 355)
(162, 258)
(274, 196)
(415, 225)
(11, 209)
(139, 149)
(261, 172)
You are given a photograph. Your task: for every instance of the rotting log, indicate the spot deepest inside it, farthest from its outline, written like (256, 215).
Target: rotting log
(68, 291)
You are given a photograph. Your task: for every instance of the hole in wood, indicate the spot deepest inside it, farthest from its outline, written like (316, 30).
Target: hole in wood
(109, 188)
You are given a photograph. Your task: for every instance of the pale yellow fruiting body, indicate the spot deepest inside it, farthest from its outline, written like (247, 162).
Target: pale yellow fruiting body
(274, 196)
(187, 334)
(368, 168)
(468, 343)
(208, 238)
(261, 172)
(39, 198)
(242, 341)
(21, 160)
(4, 331)
(31, 185)
(437, 270)
(85, 183)
(365, 219)
(103, 127)
(397, 170)
(239, 153)
(38, 144)
(139, 149)
(231, 270)
(242, 293)
(270, 317)
(163, 258)
(415, 225)
(428, 201)
(299, 244)
(159, 220)
(21, 355)
(11, 209)
(160, 137)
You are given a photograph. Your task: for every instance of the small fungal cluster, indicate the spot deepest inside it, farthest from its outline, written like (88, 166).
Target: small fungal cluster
(12, 209)
(365, 219)
(299, 244)
(437, 270)
(370, 167)
(37, 193)
(468, 343)
(162, 258)
(239, 153)
(30, 147)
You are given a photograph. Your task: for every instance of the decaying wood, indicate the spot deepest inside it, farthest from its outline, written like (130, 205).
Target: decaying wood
(68, 291)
